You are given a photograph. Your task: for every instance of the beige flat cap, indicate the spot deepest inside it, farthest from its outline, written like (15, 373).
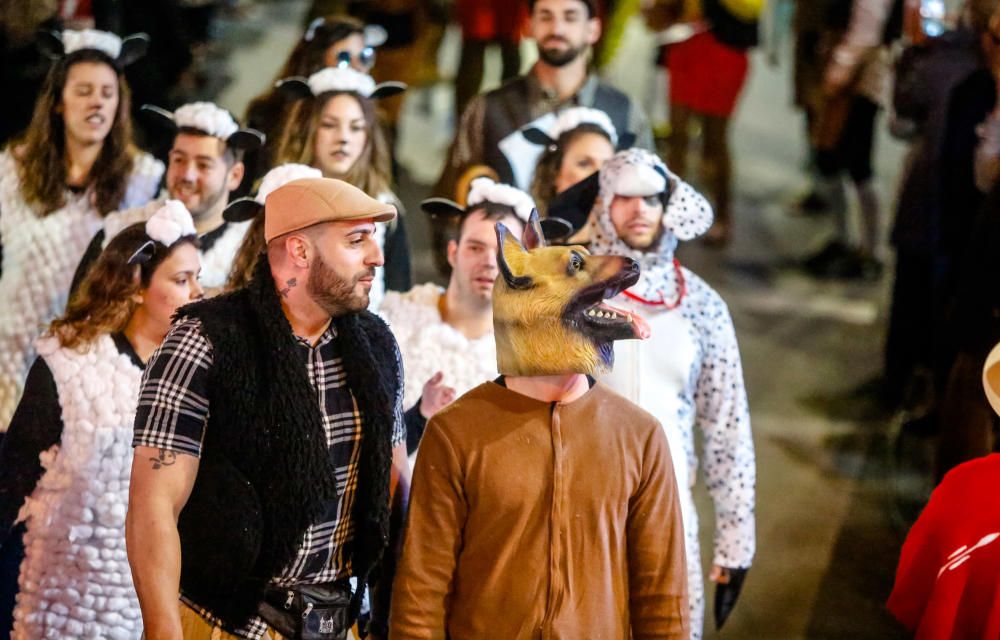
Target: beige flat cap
(308, 201)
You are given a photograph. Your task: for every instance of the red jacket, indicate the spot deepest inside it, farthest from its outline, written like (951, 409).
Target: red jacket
(948, 580)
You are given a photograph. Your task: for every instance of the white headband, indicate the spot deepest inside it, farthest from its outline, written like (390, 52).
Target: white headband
(207, 117)
(572, 118)
(170, 223)
(341, 79)
(102, 41)
(486, 190)
(282, 175)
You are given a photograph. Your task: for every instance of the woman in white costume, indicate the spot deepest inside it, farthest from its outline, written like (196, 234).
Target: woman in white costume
(333, 126)
(66, 461)
(75, 163)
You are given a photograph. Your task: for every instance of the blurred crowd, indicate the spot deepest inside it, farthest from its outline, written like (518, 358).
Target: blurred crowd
(101, 130)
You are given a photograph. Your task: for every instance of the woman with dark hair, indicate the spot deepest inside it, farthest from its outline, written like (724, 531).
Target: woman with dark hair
(326, 42)
(65, 463)
(75, 164)
(577, 144)
(333, 127)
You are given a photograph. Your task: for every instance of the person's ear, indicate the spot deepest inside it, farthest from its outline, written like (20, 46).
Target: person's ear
(452, 253)
(593, 31)
(299, 250)
(236, 173)
(137, 298)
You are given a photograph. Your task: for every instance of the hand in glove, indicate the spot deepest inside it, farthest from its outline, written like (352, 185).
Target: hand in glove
(729, 582)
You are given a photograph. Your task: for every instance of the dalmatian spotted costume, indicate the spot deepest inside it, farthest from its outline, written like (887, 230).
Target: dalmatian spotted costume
(688, 373)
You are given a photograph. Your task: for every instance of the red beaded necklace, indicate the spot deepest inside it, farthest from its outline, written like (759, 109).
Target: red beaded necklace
(669, 306)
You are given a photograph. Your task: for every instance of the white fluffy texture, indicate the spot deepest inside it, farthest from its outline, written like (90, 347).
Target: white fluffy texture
(217, 260)
(103, 41)
(486, 190)
(170, 223)
(40, 255)
(341, 79)
(207, 117)
(687, 216)
(689, 376)
(118, 221)
(428, 344)
(572, 118)
(75, 580)
(282, 175)
(639, 180)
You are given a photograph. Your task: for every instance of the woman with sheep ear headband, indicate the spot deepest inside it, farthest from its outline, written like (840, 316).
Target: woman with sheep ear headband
(333, 127)
(66, 461)
(688, 373)
(73, 165)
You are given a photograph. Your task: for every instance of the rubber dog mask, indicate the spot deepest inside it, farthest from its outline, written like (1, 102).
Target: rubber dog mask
(549, 314)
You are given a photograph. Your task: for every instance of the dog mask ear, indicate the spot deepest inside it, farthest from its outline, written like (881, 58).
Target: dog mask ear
(533, 238)
(509, 251)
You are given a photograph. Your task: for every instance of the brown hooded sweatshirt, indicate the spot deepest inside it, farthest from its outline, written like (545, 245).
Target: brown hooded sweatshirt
(532, 519)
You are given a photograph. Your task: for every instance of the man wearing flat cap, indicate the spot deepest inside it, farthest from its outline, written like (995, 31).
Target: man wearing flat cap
(268, 425)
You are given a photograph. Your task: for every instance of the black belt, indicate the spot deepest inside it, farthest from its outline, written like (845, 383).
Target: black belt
(309, 611)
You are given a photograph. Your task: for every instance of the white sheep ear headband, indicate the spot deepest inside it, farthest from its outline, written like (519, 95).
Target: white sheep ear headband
(248, 208)
(56, 45)
(340, 78)
(170, 223)
(484, 189)
(209, 118)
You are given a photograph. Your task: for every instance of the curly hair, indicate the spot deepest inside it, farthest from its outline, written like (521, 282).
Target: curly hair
(543, 185)
(40, 153)
(247, 255)
(105, 301)
(371, 172)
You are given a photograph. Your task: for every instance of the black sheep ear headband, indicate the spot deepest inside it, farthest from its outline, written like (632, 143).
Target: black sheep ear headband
(339, 78)
(210, 119)
(56, 45)
(554, 229)
(170, 223)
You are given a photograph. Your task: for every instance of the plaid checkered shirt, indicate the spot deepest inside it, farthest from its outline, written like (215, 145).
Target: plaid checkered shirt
(173, 412)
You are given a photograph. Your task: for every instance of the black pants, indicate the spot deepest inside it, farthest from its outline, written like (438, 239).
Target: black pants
(853, 152)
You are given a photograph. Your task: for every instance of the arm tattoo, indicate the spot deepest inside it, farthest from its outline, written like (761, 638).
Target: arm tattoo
(164, 459)
(291, 282)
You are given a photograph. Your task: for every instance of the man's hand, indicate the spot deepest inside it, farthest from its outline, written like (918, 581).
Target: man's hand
(728, 583)
(436, 396)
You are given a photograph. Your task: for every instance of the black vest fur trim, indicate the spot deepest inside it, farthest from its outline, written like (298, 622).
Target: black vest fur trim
(265, 474)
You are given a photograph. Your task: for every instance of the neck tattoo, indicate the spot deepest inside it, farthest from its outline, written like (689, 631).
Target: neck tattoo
(291, 282)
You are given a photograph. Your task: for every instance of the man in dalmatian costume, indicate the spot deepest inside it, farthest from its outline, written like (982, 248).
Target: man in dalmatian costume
(688, 373)
(446, 335)
(204, 165)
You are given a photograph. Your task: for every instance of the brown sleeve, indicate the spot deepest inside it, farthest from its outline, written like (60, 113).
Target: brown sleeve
(433, 540)
(658, 602)
(466, 149)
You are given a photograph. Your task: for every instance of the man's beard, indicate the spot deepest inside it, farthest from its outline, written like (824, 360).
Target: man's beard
(560, 58)
(209, 202)
(333, 293)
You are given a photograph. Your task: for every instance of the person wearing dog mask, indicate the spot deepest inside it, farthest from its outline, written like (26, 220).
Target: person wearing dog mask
(543, 503)
(446, 335)
(204, 165)
(689, 374)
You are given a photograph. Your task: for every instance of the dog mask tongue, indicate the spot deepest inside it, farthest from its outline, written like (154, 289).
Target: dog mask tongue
(549, 311)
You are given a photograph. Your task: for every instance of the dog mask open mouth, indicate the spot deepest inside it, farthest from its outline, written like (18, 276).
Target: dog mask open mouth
(550, 313)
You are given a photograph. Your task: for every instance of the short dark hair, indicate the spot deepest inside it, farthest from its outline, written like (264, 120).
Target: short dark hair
(593, 7)
(490, 211)
(230, 154)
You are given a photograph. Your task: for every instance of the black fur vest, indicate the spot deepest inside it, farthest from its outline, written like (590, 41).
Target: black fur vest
(265, 473)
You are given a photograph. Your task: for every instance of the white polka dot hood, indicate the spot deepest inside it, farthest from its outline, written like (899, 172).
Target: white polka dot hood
(687, 215)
